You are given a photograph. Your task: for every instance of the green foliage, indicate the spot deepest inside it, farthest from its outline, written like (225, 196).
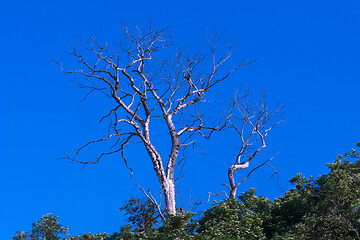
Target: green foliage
(321, 208)
(337, 194)
(126, 232)
(232, 219)
(174, 227)
(142, 215)
(143, 220)
(47, 228)
(90, 236)
(327, 208)
(177, 226)
(289, 210)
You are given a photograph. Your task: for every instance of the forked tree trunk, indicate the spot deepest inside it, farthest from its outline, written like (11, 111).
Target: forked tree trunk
(168, 87)
(166, 178)
(233, 185)
(167, 184)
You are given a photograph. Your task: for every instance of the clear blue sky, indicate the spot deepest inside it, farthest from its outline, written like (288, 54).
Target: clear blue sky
(308, 55)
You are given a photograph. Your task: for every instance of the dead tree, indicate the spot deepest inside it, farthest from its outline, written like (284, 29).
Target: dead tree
(252, 120)
(147, 79)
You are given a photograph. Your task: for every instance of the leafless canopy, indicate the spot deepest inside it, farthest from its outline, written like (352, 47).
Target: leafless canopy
(147, 78)
(251, 120)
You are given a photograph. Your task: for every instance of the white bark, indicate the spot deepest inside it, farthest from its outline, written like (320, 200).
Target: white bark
(170, 197)
(251, 120)
(142, 91)
(233, 185)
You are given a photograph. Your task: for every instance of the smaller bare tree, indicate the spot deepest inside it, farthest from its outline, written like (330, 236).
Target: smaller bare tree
(251, 120)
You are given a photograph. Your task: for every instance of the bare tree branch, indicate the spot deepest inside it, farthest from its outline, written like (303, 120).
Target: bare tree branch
(251, 120)
(145, 84)
(153, 200)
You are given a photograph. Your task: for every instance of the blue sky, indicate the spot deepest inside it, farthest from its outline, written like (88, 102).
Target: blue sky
(308, 56)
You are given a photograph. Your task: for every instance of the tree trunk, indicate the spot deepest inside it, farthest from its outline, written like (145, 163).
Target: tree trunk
(233, 186)
(170, 169)
(169, 193)
(166, 180)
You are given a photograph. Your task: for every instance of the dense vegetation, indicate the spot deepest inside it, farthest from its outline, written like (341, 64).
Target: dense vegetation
(326, 207)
